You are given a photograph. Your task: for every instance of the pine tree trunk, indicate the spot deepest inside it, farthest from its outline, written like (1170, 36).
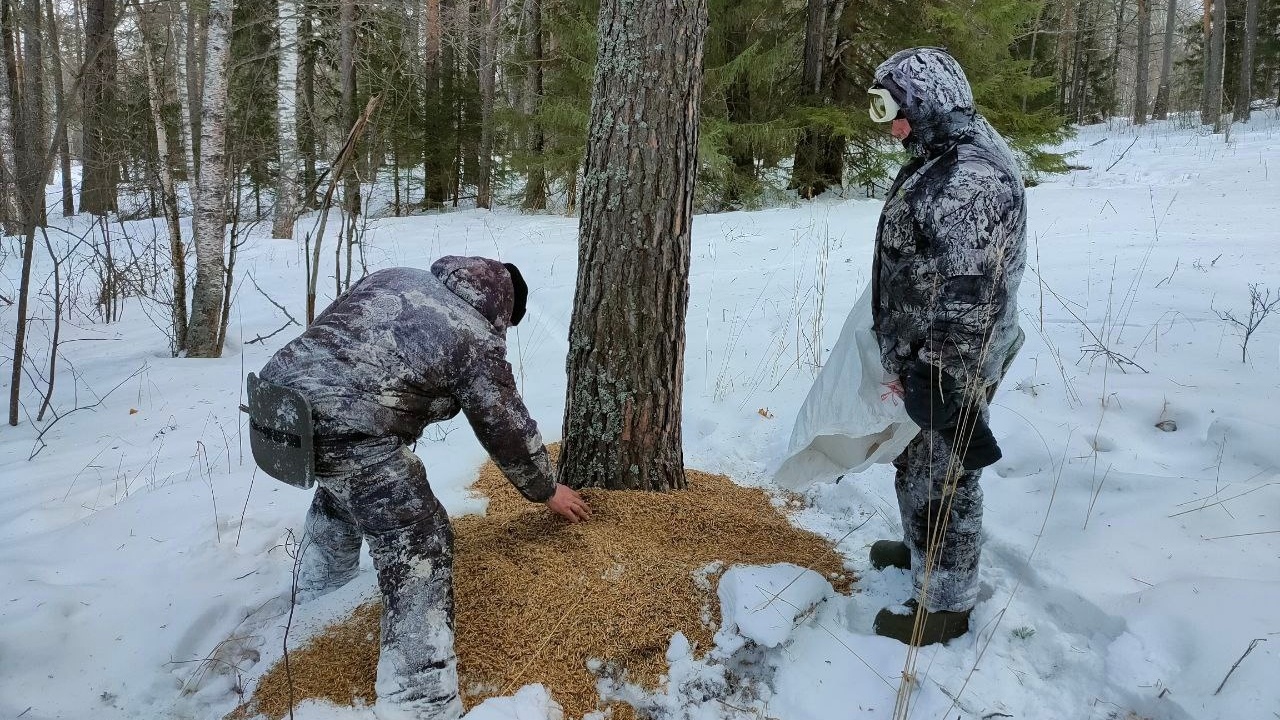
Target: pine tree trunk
(59, 100)
(535, 189)
(287, 120)
(488, 73)
(1143, 63)
(436, 180)
(1217, 65)
(168, 190)
(1244, 79)
(1161, 110)
(101, 165)
(627, 334)
(819, 158)
(210, 222)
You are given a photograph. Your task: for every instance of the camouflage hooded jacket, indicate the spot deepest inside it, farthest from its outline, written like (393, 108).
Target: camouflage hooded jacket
(951, 243)
(404, 348)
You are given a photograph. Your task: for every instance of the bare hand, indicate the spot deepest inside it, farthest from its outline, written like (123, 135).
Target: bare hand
(568, 504)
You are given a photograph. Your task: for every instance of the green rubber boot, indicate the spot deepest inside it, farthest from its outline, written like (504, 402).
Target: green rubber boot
(939, 627)
(890, 553)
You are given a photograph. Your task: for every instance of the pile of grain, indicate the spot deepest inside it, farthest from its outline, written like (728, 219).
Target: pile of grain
(537, 598)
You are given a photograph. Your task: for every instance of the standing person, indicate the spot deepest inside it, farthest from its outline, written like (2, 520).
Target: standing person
(950, 251)
(402, 349)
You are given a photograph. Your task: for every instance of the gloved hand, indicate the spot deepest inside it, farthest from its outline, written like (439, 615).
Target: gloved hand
(930, 396)
(935, 401)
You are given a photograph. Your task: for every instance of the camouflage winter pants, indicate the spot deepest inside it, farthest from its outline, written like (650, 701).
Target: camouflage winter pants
(942, 519)
(376, 489)
(941, 508)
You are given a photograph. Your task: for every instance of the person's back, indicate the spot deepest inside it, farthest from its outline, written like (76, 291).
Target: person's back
(389, 356)
(404, 348)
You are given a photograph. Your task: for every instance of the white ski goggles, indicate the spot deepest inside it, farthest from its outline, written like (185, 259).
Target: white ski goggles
(883, 107)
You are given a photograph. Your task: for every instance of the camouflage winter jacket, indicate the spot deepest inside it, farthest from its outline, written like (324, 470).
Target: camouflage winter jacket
(951, 243)
(404, 348)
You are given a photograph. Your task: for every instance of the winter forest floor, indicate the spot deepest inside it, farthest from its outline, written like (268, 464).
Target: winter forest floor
(1126, 570)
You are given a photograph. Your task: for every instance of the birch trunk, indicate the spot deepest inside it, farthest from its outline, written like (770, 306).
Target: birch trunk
(210, 221)
(1161, 110)
(168, 191)
(287, 121)
(627, 334)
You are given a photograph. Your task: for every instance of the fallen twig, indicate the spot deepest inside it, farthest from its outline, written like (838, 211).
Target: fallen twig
(1252, 644)
(1126, 152)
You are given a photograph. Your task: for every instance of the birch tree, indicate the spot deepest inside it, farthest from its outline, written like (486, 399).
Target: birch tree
(287, 120)
(168, 189)
(210, 221)
(627, 333)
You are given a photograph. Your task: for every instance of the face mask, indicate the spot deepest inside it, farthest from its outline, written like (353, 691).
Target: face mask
(883, 107)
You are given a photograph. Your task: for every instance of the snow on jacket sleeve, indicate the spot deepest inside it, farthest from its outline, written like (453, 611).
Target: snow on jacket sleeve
(972, 237)
(493, 406)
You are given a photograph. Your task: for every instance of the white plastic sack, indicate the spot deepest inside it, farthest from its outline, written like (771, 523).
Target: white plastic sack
(849, 421)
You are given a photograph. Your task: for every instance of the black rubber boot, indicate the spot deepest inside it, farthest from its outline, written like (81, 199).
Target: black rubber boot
(939, 627)
(890, 553)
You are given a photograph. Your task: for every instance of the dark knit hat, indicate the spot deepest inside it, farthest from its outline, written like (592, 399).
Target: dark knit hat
(522, 293)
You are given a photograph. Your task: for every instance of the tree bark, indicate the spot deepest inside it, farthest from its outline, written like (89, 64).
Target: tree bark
(819, 157)
(488, 73)
(168, 189)
(1161, 110)
(535, 189)
(210, 222)
(1244, 80)
(1217, 66)
(30, 148)
(287, 120)
(10, 216)
(435, 157)
(307, 133)
(627, 333)
(101, 165)
(349, 113)
(1143, 63)
(60, 110)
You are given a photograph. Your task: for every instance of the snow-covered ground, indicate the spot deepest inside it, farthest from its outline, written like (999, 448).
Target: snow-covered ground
(144, 567)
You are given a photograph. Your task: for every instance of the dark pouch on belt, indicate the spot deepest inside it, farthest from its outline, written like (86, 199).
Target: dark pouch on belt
(281, 434)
